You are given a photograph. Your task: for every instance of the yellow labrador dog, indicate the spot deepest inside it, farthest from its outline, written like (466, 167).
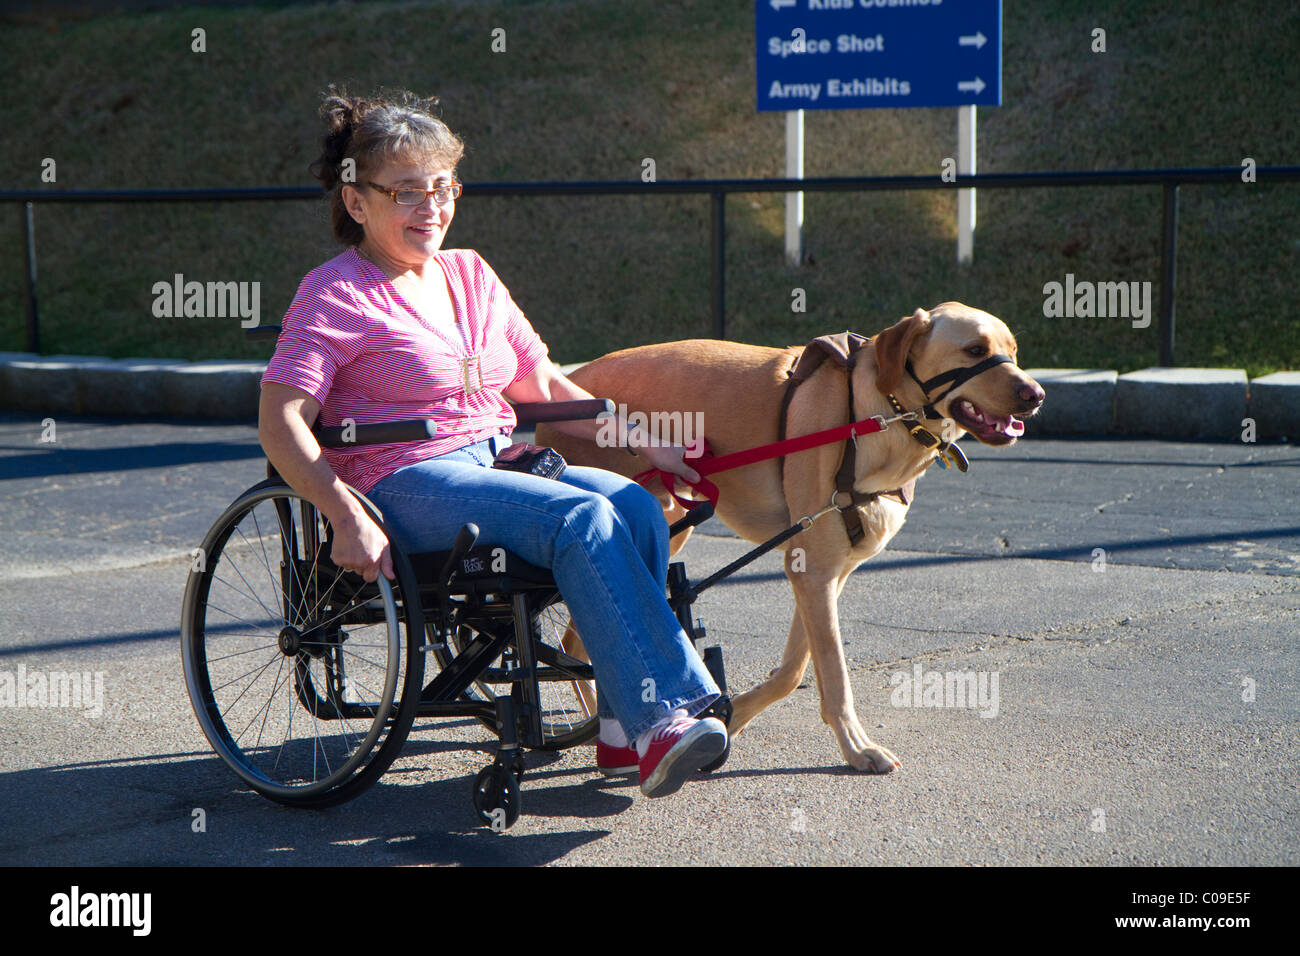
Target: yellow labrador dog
(739, 389)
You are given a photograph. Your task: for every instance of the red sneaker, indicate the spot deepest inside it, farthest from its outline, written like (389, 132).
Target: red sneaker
(615, 761)
(677, 750)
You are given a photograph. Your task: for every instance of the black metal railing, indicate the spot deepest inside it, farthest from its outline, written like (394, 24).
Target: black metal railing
(717, 189)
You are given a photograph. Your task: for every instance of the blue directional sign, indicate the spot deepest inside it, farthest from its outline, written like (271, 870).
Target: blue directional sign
(864, 54)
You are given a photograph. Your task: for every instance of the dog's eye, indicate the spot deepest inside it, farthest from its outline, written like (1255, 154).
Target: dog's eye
(975, 351)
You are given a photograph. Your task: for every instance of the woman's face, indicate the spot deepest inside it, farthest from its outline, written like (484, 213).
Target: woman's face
(405, 235)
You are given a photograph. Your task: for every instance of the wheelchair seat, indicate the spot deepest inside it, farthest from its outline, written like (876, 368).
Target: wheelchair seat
(485, 568)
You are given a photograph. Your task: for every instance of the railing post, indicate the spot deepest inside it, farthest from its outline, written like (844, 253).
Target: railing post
(29, 253)
(719, 263)
(1168, 272)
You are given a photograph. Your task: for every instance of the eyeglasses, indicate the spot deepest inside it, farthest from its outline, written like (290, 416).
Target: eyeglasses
(409, 196)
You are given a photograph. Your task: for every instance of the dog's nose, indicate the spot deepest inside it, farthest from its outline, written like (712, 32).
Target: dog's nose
(1031, 393)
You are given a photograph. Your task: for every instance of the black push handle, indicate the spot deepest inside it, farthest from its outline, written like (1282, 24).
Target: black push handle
(378, 433)
(529, 413)
(697, 515)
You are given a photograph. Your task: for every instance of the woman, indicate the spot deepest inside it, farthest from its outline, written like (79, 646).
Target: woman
(394, 328)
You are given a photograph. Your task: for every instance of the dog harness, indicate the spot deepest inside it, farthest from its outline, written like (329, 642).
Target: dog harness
(842, 348)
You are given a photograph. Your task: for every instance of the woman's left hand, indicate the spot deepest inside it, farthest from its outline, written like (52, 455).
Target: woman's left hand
(670, 458)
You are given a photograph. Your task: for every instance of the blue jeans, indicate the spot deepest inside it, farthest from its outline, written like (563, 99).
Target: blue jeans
(606, 542)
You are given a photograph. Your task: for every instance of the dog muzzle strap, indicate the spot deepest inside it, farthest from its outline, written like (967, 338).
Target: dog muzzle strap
(957, 376)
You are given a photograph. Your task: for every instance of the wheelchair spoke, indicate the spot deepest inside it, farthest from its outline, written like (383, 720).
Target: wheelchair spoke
(251, 590)
(357, 656)
(221, 687)
(330, 620)
(266, 711)
(316, 742)
(234, 616)
(289, 711)
(226, 657)
(322, 599)
(266, 563)
(374, 694)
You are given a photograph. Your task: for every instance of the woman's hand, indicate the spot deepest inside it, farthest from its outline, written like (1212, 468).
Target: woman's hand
(670, 458)
(360, 546)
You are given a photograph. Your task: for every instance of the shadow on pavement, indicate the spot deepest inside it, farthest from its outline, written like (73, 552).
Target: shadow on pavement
(121, 458)
(95, 814)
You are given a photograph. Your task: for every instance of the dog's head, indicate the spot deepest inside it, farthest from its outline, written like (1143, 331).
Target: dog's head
(954, 336)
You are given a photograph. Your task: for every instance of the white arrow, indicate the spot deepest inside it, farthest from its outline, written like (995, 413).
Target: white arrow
(976, 86)
(977, 41)
(778, 4)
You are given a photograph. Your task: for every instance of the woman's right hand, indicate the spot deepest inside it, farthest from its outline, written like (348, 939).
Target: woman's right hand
(360, 546)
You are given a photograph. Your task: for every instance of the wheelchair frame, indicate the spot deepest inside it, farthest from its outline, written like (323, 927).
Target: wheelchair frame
(476, 609)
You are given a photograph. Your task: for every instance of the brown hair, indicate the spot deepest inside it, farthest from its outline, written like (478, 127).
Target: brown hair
(371, 131)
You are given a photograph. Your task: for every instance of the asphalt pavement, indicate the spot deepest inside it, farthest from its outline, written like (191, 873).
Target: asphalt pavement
(1131, 607)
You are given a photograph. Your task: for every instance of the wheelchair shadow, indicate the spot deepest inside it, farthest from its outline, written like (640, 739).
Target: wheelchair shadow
(189, 809)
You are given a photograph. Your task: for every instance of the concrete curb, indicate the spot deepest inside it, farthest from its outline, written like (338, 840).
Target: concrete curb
(1275, 405)
(1182, 403)
(1080, 401)
(1176, 403)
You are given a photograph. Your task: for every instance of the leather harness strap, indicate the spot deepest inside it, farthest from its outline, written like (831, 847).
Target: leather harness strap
(843, 348)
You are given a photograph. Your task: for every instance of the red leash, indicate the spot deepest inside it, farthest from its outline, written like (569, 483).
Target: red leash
(706, 464)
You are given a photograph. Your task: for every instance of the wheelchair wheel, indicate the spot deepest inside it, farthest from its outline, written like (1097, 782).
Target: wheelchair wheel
(568, 707)
(301, 675)
(496, 797)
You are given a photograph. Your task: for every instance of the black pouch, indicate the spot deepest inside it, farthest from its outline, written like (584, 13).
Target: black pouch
(531, 460)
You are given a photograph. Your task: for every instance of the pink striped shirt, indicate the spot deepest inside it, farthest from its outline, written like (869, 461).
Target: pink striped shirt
(351, 342)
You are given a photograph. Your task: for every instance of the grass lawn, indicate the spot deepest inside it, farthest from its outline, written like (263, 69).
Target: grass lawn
(588, 89)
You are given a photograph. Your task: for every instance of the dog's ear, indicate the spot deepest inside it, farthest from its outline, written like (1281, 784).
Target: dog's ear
(893, 345)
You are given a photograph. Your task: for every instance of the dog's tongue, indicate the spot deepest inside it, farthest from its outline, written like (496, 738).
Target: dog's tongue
(1011, 427)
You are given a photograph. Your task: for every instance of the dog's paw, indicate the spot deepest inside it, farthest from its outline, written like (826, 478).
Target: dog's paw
(873, 759)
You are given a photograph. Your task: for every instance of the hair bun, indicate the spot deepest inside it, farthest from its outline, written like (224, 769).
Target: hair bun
(341, 113)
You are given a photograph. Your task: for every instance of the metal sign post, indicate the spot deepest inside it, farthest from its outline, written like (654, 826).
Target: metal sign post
(794, 201)
(855, 54)
(965, 197)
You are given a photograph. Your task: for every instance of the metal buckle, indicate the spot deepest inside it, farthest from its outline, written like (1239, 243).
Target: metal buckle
(929, 441)
(807, 520)
(471, 369)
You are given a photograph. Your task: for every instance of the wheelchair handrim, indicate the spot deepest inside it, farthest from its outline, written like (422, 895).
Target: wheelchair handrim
(201, 692)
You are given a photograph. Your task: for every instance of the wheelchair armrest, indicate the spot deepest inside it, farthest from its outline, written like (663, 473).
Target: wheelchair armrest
(262, 333)
(697, 515)
(529, 413)
(421, 429)
(378, 433)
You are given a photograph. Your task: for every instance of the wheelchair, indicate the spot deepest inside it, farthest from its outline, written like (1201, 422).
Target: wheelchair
(306, 679)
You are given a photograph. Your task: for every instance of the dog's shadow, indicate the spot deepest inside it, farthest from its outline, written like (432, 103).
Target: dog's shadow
(840, 770)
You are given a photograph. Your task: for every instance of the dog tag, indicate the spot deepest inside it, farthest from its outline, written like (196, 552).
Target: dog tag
(472, 373)
(956, 456)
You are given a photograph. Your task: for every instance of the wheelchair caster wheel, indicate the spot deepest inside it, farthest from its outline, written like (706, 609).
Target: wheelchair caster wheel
(496, 797)
(722, 758)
